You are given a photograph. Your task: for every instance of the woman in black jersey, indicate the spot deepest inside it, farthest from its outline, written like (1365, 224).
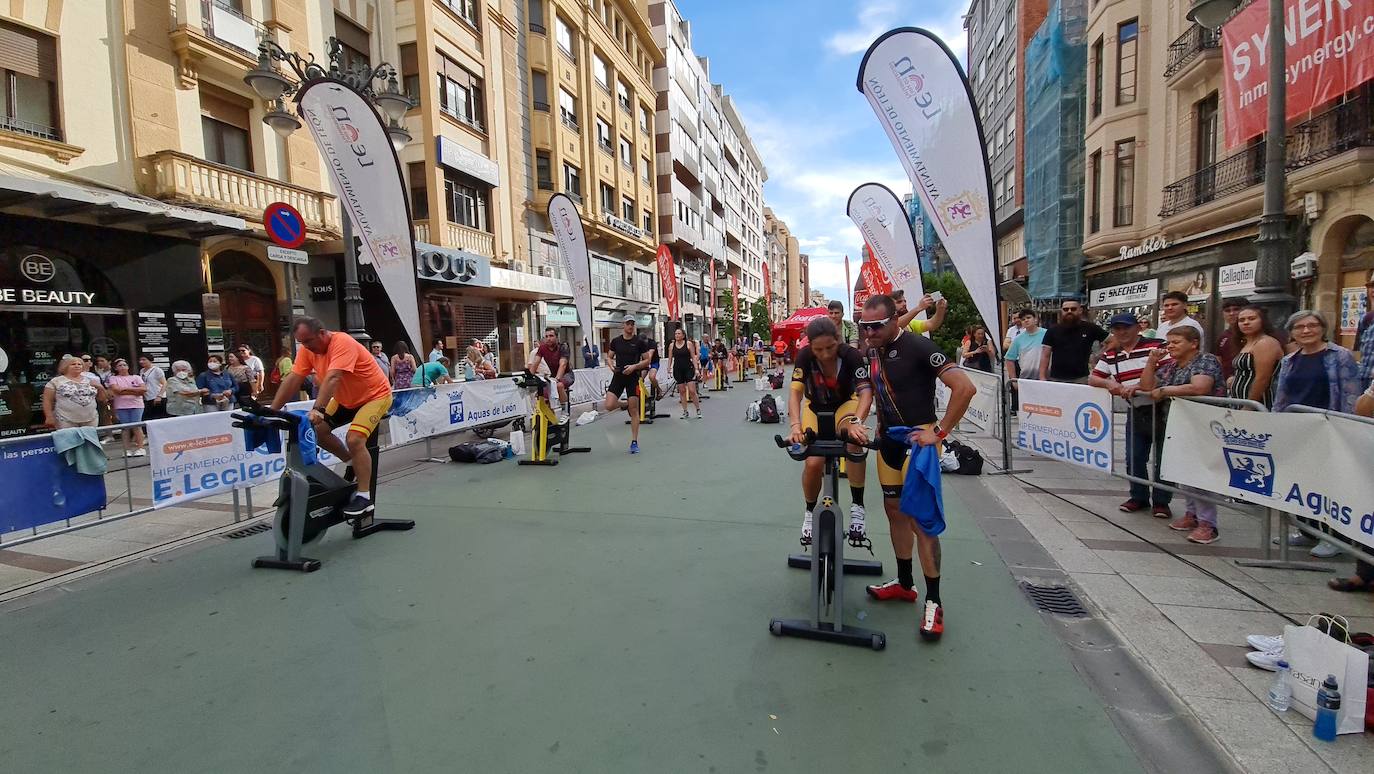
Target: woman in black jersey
(683, 353)
(831, 376)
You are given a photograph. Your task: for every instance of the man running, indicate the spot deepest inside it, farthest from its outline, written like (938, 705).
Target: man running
(352, 391)
(903, 368)
(557, 359)
(833, 377)
(631, 353)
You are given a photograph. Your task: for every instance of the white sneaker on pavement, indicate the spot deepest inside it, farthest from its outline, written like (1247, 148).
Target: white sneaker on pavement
(1265, 642)
(1325, 550)
(856, 521)
(806, 529)
(1268, 659)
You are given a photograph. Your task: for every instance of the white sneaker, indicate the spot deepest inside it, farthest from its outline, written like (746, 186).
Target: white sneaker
(856, 522)
(1265, 642)
(140, 452)
(1268, 659)
(806, 529)
(1325, 550)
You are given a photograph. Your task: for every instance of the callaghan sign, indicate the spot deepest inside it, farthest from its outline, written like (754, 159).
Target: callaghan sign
(1152, 245)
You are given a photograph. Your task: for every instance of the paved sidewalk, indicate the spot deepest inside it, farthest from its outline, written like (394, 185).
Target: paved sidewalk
(1188, 626)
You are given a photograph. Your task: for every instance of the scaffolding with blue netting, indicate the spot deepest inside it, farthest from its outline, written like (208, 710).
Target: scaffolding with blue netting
(1056, 96)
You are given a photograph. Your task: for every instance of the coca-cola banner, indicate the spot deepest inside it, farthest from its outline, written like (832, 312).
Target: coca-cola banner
(1330, 50)
(667, 281)
(922, 100)
(875, 277)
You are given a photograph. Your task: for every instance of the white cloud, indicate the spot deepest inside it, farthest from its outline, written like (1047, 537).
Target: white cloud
(875, 18)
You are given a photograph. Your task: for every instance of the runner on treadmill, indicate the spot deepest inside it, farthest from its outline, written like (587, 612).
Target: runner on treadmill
(632, 354)
(832, 376)
(903, 368)
(352, 391)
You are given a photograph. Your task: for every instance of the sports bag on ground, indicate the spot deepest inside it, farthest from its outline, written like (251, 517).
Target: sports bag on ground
(970, 461)
(485, 452)
(768, 410)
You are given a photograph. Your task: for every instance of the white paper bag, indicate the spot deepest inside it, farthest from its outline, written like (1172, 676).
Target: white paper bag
(517, 443)
(1312, 655)
(761, 384)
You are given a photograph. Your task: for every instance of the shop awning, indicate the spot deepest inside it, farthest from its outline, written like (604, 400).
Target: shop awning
(40, 197)
(509, 285)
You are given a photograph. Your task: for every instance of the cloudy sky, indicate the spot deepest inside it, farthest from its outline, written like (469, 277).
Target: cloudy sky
(791, 68)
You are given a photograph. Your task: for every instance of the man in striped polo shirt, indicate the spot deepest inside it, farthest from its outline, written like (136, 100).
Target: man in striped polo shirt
(1118, 371)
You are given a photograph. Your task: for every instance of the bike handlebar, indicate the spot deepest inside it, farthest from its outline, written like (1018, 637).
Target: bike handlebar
(266, 415)
(828, 447)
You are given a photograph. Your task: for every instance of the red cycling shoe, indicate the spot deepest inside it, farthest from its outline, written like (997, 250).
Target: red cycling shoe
(932, 622)
(892, 590)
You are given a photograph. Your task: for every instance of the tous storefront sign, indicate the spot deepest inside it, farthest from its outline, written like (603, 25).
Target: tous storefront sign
(1152, 245)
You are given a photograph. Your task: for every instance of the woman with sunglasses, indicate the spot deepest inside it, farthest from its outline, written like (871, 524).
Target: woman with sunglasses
(832, 377)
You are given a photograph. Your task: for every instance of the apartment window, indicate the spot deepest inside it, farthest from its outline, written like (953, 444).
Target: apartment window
(1096, 99)
(998, 192)
(627, 208)
(999, 138)
(567, 39)
(643, 119)
(1009, 185)
(608, 277)
(410, 72)
(418, 177)
(644, 285)
(28, 66)
(1126, 38)
(602, 72)
(607, 199)
(466, 10)
(353, 40)
(1011, 128)
(539, 90)
(536, 16)
(1011, 72)
(603, 135)
(543, 170)
(1206, 131)
(622, 95)
(572, 181)
(1095, 192)
(1123, 214)
(627, 154)
(224, 128)
(648, 223)
(567, 108)
(460, 93)
(466, 201)
(645, 169)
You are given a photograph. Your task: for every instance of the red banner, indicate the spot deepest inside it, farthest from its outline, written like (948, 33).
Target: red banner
(767, 290)
(1330, 50)
(876, 281)
(848, 287)
(734, 293)
(667, 282)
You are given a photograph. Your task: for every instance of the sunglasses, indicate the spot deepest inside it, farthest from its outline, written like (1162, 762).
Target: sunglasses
(874, 325)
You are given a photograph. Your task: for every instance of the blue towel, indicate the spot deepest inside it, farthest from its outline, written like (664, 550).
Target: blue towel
(921, 496)
(310, 450)
(80, 448)
(258, 436)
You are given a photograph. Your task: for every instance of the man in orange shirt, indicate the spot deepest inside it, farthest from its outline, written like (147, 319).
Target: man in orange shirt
(352, 390)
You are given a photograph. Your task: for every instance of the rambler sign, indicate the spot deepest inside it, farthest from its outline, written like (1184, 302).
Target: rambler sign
(1152, 245)
(1140, 293)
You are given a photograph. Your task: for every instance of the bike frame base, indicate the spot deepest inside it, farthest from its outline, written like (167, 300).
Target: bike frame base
(854, 566)
(300, 565)
(826, 632)
(383, 525)
(1281, 564)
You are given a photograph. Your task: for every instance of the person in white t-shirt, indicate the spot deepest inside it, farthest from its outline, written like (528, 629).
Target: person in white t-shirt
(1173, 312)
(257, 372)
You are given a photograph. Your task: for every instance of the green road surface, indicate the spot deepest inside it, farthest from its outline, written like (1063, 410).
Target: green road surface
(607, 615)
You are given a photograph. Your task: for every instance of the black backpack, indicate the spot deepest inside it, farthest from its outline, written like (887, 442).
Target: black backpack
(484, 453)
(970, 461)
(775, 380)
(768, 410)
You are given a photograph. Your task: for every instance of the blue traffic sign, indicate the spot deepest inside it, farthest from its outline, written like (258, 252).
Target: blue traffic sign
(284, 224)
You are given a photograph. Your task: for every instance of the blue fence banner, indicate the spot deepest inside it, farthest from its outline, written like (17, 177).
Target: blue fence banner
(38, 487)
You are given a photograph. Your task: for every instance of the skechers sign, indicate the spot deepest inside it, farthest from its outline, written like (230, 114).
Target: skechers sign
(1067, 422)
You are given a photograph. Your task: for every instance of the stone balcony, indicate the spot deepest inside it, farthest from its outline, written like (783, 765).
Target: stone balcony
(182, 179)
(456, 235)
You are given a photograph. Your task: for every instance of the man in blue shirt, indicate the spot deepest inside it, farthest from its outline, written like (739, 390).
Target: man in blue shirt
(1364, 334)
(1023, 356)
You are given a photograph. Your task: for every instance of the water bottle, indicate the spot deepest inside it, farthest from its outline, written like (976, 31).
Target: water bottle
(1280, 694)
(1328, 705)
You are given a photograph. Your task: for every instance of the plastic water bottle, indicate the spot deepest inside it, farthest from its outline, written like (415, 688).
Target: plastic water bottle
(795, 448)
(1328, 706)
(1280, 694)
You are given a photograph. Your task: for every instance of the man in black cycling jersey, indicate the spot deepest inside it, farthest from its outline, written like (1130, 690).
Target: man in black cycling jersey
(631, 353)
(832, 376)
(903, 368)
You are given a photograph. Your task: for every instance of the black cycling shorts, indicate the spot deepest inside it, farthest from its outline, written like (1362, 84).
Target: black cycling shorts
(623, 386)
(684, 374)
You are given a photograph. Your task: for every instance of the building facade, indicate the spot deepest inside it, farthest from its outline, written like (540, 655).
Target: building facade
(1170, 207)
(783, 257)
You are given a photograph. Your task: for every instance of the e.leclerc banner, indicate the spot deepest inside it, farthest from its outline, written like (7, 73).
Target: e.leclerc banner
(667, 281)
(572, 251)
(918, 91)
(367, 178)
(1330, 50)
(1066, 422)
(879, 214)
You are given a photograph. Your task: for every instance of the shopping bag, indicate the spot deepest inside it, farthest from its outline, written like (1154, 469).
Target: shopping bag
(761, 384)
(517, 443)
(1312, 655)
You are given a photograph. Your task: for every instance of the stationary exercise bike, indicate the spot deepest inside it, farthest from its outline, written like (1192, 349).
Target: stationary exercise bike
(826, 562)
(720, 380)
(547, 433)
(648, 402)
(311, 497)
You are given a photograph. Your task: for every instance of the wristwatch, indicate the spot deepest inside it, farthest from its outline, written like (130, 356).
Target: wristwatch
(939, 433)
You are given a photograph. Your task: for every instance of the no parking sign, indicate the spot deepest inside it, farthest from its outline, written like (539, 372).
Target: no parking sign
(284, 224)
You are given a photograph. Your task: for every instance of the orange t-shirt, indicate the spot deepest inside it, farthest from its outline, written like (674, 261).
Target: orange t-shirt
(363, 380)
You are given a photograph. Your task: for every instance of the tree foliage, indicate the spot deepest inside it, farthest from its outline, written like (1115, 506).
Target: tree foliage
(759, 321)
(960, 316)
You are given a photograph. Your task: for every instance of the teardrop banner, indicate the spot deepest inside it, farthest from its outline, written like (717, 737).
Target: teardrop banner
(667, 281)
(767, 289)
(572, 252)
(922, 99)
(367, 177)
(879, 214)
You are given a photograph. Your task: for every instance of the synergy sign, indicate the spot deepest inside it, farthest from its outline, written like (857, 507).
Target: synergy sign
(1067, 422)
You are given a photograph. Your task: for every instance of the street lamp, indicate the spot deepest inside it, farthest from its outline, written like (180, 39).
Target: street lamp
(1271, 273)
(379, 86)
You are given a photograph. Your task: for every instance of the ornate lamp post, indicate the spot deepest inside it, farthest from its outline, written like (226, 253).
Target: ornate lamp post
(379, 86)
(1272, 271)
